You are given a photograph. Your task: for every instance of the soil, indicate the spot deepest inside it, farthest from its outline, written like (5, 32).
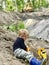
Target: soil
(8, 37)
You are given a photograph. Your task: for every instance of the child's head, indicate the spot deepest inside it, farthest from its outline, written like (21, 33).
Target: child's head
(23, 33)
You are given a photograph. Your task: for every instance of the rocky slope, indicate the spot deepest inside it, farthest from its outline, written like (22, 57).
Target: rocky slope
(8, 37)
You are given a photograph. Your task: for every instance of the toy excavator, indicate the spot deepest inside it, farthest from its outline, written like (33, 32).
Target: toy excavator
(42, 53)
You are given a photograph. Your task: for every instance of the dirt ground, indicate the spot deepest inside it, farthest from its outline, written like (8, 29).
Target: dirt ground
(8, 37)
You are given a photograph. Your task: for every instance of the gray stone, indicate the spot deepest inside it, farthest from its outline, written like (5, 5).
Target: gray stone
(41, 30)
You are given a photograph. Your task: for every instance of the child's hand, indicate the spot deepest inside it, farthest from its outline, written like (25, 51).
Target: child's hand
(28, 49)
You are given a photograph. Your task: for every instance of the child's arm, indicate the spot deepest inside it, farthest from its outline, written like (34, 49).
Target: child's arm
(25, 47)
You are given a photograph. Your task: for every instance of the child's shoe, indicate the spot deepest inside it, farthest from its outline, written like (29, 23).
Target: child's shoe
(35, 61)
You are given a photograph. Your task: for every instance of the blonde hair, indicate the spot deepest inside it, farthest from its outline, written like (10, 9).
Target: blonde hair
(23, 32)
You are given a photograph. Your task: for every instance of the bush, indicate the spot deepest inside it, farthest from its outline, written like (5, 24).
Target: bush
(0, 7)
(15, 27)
(10, 5)
(21, 25)
(20, 5)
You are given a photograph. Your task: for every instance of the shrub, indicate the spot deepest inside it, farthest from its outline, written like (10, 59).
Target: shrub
(21, 25)
(16, 27)
(20, 5)
(10, 5)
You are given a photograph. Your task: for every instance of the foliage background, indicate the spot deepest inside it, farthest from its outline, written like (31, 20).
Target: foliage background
(18, 5)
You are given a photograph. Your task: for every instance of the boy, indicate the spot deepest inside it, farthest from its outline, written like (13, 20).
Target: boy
(21, 51)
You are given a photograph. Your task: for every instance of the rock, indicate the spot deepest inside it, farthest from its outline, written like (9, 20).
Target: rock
(41, 30)
(29, 22)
